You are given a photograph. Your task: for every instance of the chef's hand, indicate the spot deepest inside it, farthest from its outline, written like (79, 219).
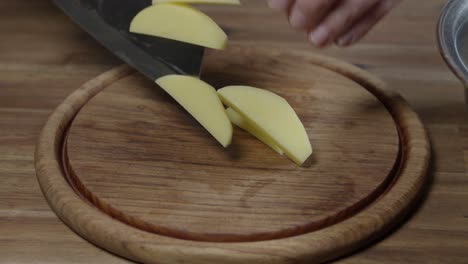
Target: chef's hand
(342, 22)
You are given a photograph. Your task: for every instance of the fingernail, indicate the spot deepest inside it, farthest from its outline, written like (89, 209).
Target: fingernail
(344, 41)
(281, 5)
(319, 37)
(298, 20)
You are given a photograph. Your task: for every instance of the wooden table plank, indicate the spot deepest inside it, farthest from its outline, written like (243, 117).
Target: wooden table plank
(44, 57)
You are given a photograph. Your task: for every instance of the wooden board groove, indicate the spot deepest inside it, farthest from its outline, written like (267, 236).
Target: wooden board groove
(387, 202)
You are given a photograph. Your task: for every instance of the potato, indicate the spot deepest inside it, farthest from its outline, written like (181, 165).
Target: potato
(271, 115)
(179, 22)
(202, 102)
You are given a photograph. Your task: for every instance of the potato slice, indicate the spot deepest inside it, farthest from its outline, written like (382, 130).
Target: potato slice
(227, 2)
(202, 102)
(270, 114)
(179, 22)
(238, 120)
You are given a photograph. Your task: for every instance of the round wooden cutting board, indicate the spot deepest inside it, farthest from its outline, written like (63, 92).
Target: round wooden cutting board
(130, 170)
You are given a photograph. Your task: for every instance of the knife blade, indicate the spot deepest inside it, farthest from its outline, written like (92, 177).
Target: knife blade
(108, 21)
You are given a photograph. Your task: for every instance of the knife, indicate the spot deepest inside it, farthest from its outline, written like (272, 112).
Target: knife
(108, 21)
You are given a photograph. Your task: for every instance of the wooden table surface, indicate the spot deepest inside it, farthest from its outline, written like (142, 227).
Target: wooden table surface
(44, 57)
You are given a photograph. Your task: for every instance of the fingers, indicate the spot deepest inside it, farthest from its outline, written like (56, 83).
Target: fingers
(365, 23)
(306, 14)
(341, 21)
(281, 5)
(343, 16)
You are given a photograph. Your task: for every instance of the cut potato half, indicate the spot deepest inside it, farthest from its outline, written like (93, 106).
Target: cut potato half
(238, 120)
(179, 22)
(202, 102)
(271, 115)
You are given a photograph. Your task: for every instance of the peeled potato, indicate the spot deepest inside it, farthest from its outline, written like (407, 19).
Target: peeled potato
(179, 22)
(271, 115)
(238, 120)
(202, 102)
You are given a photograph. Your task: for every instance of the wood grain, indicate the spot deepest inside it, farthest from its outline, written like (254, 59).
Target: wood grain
(44, 57)
(140, 157)
(137, 244)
